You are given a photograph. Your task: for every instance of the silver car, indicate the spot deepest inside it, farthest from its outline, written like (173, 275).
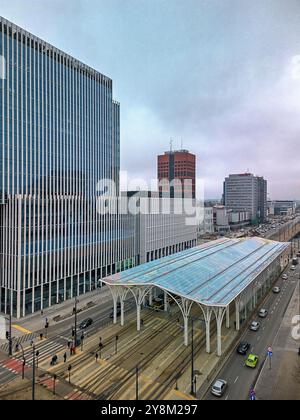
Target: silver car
(263, 313)
(254, 326)
(219, 388)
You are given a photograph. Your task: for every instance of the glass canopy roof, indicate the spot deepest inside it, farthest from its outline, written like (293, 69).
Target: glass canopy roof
(213, 274)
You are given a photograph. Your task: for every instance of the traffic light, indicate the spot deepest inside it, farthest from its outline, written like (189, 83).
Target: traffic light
(7, 335)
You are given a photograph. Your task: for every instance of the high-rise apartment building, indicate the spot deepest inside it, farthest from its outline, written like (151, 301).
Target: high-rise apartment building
(176, 173)
(246, 192)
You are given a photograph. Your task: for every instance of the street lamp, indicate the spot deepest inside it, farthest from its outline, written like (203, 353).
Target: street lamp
(100, 347)
(192, 358)
(82, 339)
(54, 383)
(69, 369)
(33, 370)
(137, 383)
(8, 334)
(23, 356)
(116, 344)
(176, 379)
(75, 322)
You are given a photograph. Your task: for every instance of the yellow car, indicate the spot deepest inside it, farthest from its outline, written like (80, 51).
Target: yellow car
(252, 361)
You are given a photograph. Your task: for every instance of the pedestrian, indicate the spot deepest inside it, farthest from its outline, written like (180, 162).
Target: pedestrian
(96, 357)
(65, 357)
(71, 350)
(69, 344)
(142, 322)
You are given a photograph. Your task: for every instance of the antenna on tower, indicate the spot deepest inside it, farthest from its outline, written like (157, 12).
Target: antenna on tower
(181, 144)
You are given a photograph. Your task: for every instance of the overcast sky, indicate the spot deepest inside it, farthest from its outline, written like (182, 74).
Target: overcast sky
(217, 74)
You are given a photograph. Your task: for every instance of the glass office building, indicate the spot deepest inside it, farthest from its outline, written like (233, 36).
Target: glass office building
(59, 135)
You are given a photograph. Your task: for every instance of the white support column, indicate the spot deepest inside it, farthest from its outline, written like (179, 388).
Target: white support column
(254, 299)
(138, 317)
(122, 313)
(115, 296)
(237, 314)
(186, 330)
(139, 296)
(207, 324)
(151, 297)
(115, 300)
(186, 306)
(219, 313)
(228, 316)
(165, 302)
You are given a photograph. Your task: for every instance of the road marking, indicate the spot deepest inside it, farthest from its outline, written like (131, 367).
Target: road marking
(23, 330)
(236, 380)
(258, 338)
(227, 397)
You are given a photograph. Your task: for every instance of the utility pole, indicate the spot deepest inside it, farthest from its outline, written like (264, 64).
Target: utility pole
(8, 333)
(116, 344)
(54, 383)
(75, 314)
(137, 383)
(33, 371)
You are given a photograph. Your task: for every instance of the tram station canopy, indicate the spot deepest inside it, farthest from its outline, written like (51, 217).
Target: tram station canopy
(212, 274)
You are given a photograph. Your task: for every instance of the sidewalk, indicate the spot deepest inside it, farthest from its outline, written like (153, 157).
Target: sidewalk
(282, 382)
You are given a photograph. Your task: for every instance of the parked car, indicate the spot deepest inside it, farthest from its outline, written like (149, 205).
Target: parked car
(219, 388)
(293, 268)
(252, 361)
(276, 290)
(243, 348)
(285, 277)
(254, 326)
(263, 313)
(86, 323)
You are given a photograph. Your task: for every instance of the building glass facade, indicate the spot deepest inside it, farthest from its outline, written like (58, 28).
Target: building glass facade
(59, 135)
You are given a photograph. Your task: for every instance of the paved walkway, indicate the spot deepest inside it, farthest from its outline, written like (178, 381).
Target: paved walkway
(282, 382)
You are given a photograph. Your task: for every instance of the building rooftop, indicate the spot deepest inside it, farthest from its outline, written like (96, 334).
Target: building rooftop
(212, 274)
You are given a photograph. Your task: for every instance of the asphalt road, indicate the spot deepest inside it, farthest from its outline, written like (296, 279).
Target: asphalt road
(238, 376)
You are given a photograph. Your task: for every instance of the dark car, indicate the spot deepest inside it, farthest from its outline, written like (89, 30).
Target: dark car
(86, 323)
(243, 348)
(118, 312)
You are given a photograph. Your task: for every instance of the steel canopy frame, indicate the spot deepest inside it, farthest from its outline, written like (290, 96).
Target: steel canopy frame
(185, 304)
(140, 290)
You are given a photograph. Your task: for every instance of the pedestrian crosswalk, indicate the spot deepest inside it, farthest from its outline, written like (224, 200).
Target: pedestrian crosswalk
(46, 350)
(26, 338)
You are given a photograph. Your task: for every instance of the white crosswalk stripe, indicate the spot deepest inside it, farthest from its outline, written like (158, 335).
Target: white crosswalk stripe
(46, 350)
